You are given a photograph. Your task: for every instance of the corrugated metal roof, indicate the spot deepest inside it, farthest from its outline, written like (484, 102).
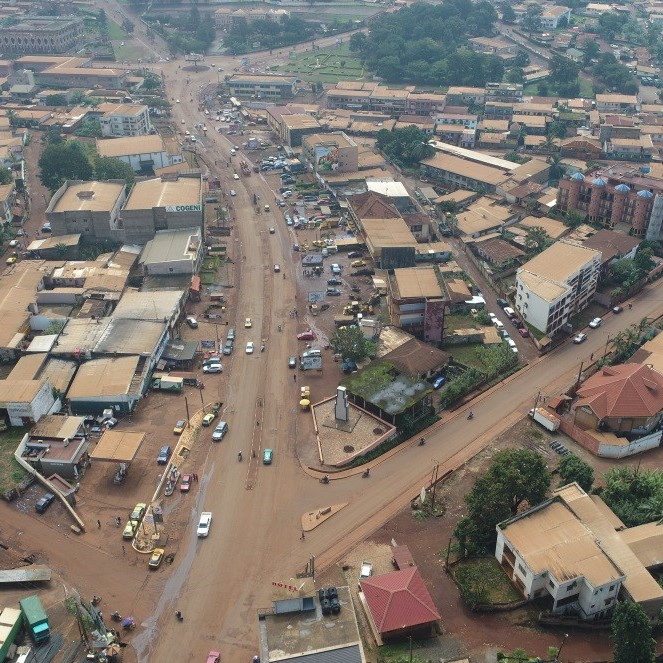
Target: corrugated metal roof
(32, 573)
(347, 654)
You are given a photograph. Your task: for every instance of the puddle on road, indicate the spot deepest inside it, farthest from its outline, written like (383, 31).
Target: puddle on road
(144, 641)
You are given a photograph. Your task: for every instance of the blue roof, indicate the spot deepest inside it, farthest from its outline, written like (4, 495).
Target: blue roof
(645, 194)
(622, 188)
(578, 177)
(599, 181)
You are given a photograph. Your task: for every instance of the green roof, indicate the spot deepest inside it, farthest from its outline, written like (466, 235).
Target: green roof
(382, 385)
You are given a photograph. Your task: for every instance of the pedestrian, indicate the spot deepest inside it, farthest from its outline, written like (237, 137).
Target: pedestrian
(294, 378)
(124, 550)
(591, 356)
(303, 536)
(99, 524)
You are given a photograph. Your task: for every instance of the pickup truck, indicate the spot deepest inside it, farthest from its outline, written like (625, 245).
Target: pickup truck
(366, 570)
(204, 524)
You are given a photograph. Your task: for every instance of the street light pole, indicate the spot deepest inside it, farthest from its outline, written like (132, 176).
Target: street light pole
(559, 651)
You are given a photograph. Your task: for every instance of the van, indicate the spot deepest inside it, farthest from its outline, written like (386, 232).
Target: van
(311, 353)
(230, 336)
(510, 312)
(499, 325)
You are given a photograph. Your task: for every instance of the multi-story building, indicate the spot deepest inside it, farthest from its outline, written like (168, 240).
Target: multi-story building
(554, 15)
(125, 120)
(505, 92)
(334, 152)
(262, 86)
(464, 96)
(42, 34)
(292, 124)
(140, 152)
(615, 197)
(65, 71)
(556, 284)
(227, 17)
(617, 103)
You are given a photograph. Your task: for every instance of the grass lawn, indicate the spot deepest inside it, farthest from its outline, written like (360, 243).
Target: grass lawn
(490, 576)
(325, 65)
(586, 90)
(115, 31)
(130, 52)
(466, 354)
(454, 322)
(11, 473)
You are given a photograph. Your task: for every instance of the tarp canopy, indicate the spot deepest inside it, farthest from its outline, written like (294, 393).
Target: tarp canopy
(118, 446)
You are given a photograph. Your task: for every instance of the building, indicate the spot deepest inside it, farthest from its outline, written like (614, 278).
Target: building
(142, 153)
(89, 209)
(226, 17)
(463, 173)
(615, 197)
(503, 92)
(494, 46)
(331, 153)
(173, 252)
(417, 301)
(370, 96)
(126, 120)
(556, 284)
(262, 86)
(613, 246)
(113, 382)
(42, 34)
(166, 203)
(483, 217)
(154, 305)
(292, 123)
(553, 15)
(617, 103)
(466, 96)
(24, 402)
(66, 71)
(56, 444)
(573, 555)
(398, 605)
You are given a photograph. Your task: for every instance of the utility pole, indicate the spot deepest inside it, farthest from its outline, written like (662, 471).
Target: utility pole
(436, 469)
(186, 405)
(605, 352)
(579, 374)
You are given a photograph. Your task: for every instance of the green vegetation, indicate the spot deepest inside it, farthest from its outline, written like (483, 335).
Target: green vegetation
(328, 65)
(614, 74)
(632, 634)
(515, 476)
(268, 34)
(405, 147)
(11, 473)
(351, 343)
(426, 44)
(482, 581)
(573, 468)
(398, 653)
(636, 496)
(626, 273)
(72, 160)
(186, 33)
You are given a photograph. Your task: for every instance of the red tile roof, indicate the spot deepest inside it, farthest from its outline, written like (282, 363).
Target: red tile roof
(626, 390)
(399, 600)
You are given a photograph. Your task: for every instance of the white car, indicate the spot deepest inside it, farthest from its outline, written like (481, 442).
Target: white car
(249, 347)
(204, 524)
(596, 322)
(235, 176)
(212, 368)
(580, 338)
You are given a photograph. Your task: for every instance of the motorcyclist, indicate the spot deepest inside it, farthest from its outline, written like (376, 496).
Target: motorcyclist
(239, 455)
(470, 415)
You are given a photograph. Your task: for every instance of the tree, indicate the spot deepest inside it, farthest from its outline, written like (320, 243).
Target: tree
(358, 42)
(573, 468)
(406, 147)
(557, 129)
(65, 161)
(110, 168)
(6, 176)
(508, 15)
(536, 240)
(631, 634)
(521, 59)
(532, 18)
(515, 75)
(563, 70)
(58, 99)
(515, 477)
(636, 496)
(557, 168)
(351, 343)
(590, 50)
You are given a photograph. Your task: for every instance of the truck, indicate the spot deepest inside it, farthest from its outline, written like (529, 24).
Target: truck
(165, 382)
(36, 619)
(246, 171)
(546, 419)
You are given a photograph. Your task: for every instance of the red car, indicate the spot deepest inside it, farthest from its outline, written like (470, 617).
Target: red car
(213, 657)
(185, 484)
(523, 332)
(308, 335)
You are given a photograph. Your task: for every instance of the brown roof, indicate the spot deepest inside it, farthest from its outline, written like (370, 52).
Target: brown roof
(416, 358)
(372, 205)
(626, 390)
(611, 244)
(498, 251)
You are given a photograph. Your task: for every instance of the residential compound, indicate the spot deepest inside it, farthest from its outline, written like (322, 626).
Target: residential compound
(573, 554)
(556, 284)
(105, 210)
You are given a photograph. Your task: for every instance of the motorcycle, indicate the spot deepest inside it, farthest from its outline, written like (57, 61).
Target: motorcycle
(116, 617)
(422, 441)
(324, 479)
(239, 456)
(262, 348)
(96, 600)
(366, 473)
(470, 415)
(179, 615)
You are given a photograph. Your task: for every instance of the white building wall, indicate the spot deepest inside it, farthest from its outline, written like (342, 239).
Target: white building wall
(637, 446)
(21, 414)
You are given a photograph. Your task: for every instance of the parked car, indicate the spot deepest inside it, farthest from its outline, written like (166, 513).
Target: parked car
(156, 558)
(292, 362)
(249, 347)
(213, 368)
(185, 483)
(358, 263)
(138, 512)
(130, 529)
(208, 419)
(595, 323)
(212, 359)
(220, 431)
(267, 456)
(164, 454)
(333, 292)
(272, 230)
(248, 323)
(307, 335)
(334, 281)
(192, 322)
(355, 254)
(44, 502)
(579, 338)
(523, 332)
(502, 303)
(439, 381)
(617, 309)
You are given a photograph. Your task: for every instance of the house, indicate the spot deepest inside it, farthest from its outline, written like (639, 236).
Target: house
(466, 96)
(398, 605)
(613, 246)
(56, 444)
(498, 253)
(462, 173)
(553, 15)
(142, 153)
(173, 252)
(24, 402)
(617, 103)
(155, 305)
(415, 358)
(556, 284)
(417, 300)
(331, 153)
(482, 217)
(574, 556)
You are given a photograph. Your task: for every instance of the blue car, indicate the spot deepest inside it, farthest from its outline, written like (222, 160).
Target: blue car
(164, 455)
(267, 456)
(439, 381)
